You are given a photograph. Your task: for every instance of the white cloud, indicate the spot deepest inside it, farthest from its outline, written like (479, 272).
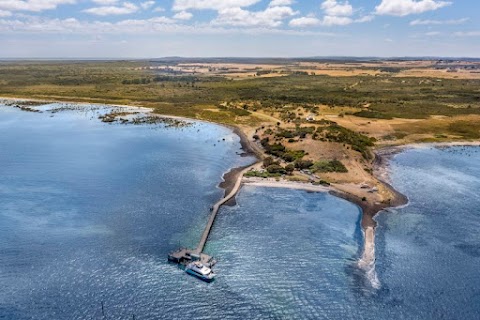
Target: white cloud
(154, 26)
(365, 19)
(147, 4)
(105, 2)
(124, 8)
(5, 13)
(136, 25)
(303, 22)
(270, 17)
(406, 7)
(158, 9)
(437, 22)
(32, 5)
(182, 5)
(183, 15)
(329, 21)
(467, 34)
(280, 3)
(35, 24)
(334, 8)
(336, 14)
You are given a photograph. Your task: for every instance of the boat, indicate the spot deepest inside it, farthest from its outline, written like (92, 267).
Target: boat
(200, 271)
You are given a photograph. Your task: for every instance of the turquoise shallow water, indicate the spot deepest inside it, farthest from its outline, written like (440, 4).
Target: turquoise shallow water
(89, 211)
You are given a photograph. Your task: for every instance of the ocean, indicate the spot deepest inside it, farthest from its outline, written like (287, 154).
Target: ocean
(89, 212)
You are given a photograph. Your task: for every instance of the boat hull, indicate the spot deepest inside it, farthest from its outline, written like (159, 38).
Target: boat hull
(192, 273)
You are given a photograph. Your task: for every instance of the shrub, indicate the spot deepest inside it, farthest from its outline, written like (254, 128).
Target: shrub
(303, 164)
(372, 114)
(286, 134)
(275, 149)
(258, 174)
(240, 112)
(268, 161)
(357, 141)
(329, 166)
(289, 168)
(275, 168)
(288, 157)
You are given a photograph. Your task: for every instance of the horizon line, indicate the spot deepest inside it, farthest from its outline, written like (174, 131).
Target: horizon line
(339, 57)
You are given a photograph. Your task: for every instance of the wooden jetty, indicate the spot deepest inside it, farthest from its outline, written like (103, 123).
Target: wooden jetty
(184, 256)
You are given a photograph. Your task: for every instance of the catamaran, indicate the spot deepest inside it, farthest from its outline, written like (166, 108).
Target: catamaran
(200, 271)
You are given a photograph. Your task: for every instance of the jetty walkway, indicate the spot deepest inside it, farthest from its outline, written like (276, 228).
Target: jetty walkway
(184, 255)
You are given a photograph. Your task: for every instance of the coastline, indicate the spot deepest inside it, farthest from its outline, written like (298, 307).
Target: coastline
(47, 101)
(369, 210)
(380, 165)
(383, 156)
(229, 178)
(260, 182)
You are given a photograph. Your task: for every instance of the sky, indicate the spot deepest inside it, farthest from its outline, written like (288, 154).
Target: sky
(238, 28)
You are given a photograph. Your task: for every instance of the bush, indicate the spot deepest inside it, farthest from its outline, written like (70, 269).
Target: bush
(268, 161)
(373, 115)
(275, 149)
(240, 112)
(288, 157)
(258, 174)
(329, 166)
(275, 168)
(465, 129)
(289, 168)
(357, 141)
(303, 164)
(285, 134)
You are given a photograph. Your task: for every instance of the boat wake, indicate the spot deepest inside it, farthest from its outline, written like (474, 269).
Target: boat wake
(367, 261)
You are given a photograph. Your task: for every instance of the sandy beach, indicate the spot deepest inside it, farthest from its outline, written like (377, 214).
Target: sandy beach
(272, 183)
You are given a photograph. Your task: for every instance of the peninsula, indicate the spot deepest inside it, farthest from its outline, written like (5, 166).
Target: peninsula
(321, 125)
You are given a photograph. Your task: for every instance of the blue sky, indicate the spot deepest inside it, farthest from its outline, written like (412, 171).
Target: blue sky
(240, 28)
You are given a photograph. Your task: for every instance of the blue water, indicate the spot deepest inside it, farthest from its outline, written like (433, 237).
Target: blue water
(428, 254)
(89, 211)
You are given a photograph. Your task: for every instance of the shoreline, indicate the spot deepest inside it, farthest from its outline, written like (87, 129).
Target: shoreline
(380, 166)
(231, 178)
(260, 182)
(49, 101)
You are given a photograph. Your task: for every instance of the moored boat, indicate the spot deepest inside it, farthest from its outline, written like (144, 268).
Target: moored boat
(200, 271)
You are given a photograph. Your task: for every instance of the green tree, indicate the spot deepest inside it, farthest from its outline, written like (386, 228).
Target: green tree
(303, 164)
(275, 168)
(290, 168)
(268, 161)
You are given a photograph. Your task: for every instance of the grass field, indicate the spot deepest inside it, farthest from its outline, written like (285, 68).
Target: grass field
(219, 98)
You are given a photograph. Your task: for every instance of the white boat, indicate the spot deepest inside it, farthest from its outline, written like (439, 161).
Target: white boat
(200, 271)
